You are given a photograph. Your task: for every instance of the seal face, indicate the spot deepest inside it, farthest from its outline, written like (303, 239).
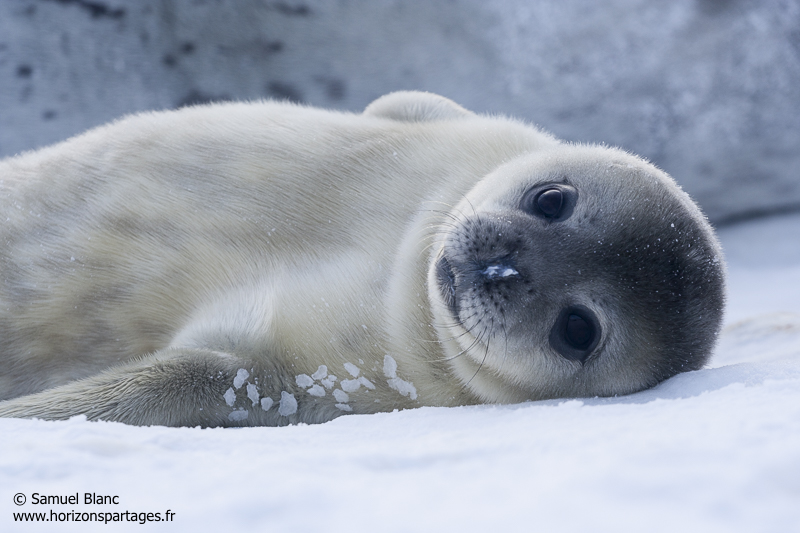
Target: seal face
(267, 264)
(586, 273)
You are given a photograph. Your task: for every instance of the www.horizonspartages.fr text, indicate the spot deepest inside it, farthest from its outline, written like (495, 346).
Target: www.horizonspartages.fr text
(109, 511)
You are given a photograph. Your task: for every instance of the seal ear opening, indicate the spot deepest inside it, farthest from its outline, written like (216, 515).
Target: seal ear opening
(416, 106)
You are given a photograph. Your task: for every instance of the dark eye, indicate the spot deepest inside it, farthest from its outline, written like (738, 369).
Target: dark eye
(552, 202)
(579, 332)
(575, 333)
(549, 202)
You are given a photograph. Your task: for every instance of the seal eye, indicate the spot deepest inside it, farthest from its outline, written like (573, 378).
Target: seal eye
(553, 202)
(578, 333)
(575, 333)
(549, 202)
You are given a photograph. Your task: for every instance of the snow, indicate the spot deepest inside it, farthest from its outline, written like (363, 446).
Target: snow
(238, 415)
(341, 396)
(367, 383)
(350, 385)
(317, 391)
(304, 380)
(716, 450)
(389, 366)
(352, 369)
(252, 393)
(287, 405)
(405, 388)
(241, 375)
(321, 373)
(230, 396)
(266, 403)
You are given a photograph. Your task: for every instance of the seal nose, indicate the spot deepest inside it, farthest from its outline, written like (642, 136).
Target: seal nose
(499, 271)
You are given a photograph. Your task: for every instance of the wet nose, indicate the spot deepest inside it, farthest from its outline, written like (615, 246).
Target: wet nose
(496, 271)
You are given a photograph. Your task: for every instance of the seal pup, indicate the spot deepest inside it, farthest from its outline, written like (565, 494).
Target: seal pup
(269, 263)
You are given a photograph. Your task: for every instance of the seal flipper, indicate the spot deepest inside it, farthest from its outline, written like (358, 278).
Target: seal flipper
(416, 106)
(173, 387)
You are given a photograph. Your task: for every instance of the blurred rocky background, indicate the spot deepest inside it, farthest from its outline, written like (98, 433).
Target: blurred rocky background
(709, 90)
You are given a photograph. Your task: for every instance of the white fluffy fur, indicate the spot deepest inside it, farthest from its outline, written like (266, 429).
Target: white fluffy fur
(147, 262)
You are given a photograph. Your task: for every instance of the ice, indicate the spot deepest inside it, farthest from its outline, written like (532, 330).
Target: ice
(241, 375)
(252, 393)
(266, 403)
(343, 407)
(238, 415)
(352, 369)
(230, 396)
(389, 366)
(321, 372)
(341, 396)
(350, 385)
(287, 405)
(405, 388)
(316, 390)
(329, 381)
(367, 383)
(304, 380)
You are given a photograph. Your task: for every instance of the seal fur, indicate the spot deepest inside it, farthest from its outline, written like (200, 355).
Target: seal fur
(268, 263)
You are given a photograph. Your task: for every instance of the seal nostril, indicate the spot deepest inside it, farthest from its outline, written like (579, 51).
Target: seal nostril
(500, 271)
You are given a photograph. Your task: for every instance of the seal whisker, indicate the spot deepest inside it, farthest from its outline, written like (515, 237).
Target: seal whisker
(483, 360)
(457, 324)
(505, 342)
(453, 338)
(475, 342)
(446, 214)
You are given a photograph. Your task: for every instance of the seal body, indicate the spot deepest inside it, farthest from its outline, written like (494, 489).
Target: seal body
(268, 263)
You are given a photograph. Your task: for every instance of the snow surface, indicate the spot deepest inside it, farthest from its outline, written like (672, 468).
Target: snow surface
(713, 450)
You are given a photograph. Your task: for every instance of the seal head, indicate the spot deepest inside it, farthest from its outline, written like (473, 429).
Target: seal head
(584, 271)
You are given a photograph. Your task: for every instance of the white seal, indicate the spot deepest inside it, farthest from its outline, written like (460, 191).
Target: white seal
(269, 263)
